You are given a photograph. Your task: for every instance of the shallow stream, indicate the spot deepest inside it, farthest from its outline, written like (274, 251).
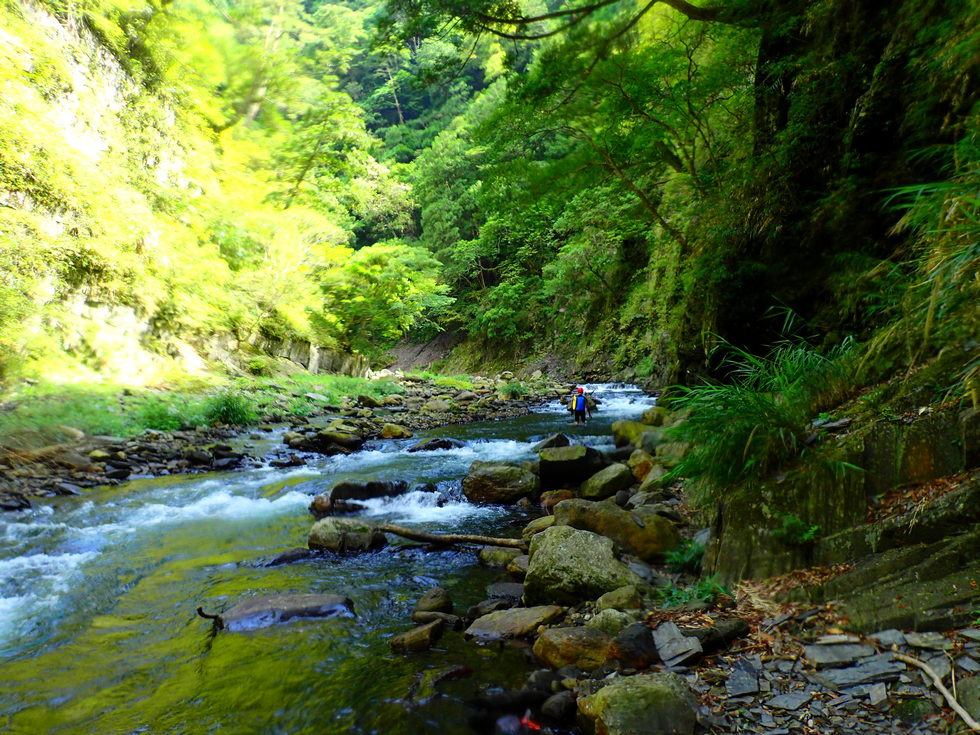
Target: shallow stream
(98, 632)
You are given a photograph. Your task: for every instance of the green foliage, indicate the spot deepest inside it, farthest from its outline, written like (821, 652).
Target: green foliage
(514, 389)
(705, 590)
(161, 414)
(229, 407)
(685, 558)
(795, 532)
(757, 422)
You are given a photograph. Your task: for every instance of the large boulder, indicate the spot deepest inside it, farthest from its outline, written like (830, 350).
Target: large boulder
(646, 704)
(345, 534)
(517, 623)
(265, 610)
(568, 566)
(585, 647)
(395, 431)
(640, 464)
(656, 416)
(552, 442)
(641, 532)
(606, 483)
(498, 482)
(349, 490)
(568, 466)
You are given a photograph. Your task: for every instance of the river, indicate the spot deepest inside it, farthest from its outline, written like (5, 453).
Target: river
(98, 631)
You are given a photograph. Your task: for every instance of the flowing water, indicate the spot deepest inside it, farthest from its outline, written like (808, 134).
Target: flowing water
(98, 631)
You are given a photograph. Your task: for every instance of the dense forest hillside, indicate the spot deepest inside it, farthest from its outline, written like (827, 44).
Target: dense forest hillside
(614, 188)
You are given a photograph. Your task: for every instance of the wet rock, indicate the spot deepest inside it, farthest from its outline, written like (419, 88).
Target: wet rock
(293, 460)
(349, 490)
(634, 647)
(624, 598)
(642, 532)
(560, 708)
(518, 565)
(674, 647)
(395, 431)
(424, 689)
(498, 483)
(417, 639)
(323, 506)
(568, 466)
(550, 442)
(265, 610)
(516, 623)
(290, 556)
(646, 704)
(435, 599)
(346, 534)
(607, 482)
(568, 565)
(431, 445)
(583, 647)
(497, 556)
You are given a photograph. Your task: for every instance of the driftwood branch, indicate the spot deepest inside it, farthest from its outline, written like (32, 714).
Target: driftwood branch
(449, 539)
(938, 683)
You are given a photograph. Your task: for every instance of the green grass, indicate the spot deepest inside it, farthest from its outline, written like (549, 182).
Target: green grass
(514, 389)
(685, 558)
(758, 422)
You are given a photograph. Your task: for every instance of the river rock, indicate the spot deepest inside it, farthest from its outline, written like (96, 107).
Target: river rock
(583, 647)
(629, 433)
(436, 405)
(671, 453)
(646, 704)
(265, 610)
(349, 490)
(634, 647)
(656, 416)
(568, 466)
(417, 639)
(346, 534)
(435, 599)
(518, 566)
(654, 480)
(607, 482)
(324, 505)
(325, 442)
(550, 498)
(395, 431)
(536, 526)
(641, 532)
(568, 566)
(498, 482)
(624, 598)
(550, 442)
(611, 622)
(366, 401)
(497, 556)
(516, 623)
(430, 445)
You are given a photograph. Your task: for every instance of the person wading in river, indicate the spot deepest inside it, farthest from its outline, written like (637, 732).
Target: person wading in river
(579, 405)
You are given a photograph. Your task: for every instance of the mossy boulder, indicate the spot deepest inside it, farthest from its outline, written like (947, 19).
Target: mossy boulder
(395, 431)
(584, 647)
(499, 483)
(346, 534)
(641, 532)
(646, 704)
(656, 416)
(607, 482)
(567, 566)
(628, 433)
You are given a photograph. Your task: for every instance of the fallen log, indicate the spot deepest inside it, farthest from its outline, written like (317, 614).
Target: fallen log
(450, 539)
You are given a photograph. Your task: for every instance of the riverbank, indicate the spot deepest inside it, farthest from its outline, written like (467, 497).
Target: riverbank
(55, 443)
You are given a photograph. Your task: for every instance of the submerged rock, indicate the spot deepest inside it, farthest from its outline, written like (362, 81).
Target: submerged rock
(265, 610)
(366, 490)
(430, 445)
(417, 639)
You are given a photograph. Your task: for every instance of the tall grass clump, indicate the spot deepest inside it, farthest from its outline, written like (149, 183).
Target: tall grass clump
(757, 422)
(229, 407)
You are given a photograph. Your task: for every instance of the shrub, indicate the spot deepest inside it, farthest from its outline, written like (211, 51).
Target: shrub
(229, 407)
(514, 389)
(160, 415)
(795, 532)
(685, 558)
(751, 426)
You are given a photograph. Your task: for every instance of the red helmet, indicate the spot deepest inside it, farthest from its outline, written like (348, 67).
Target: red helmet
(581, 390)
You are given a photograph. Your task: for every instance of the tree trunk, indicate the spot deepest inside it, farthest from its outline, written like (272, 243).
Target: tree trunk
(452, 539)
